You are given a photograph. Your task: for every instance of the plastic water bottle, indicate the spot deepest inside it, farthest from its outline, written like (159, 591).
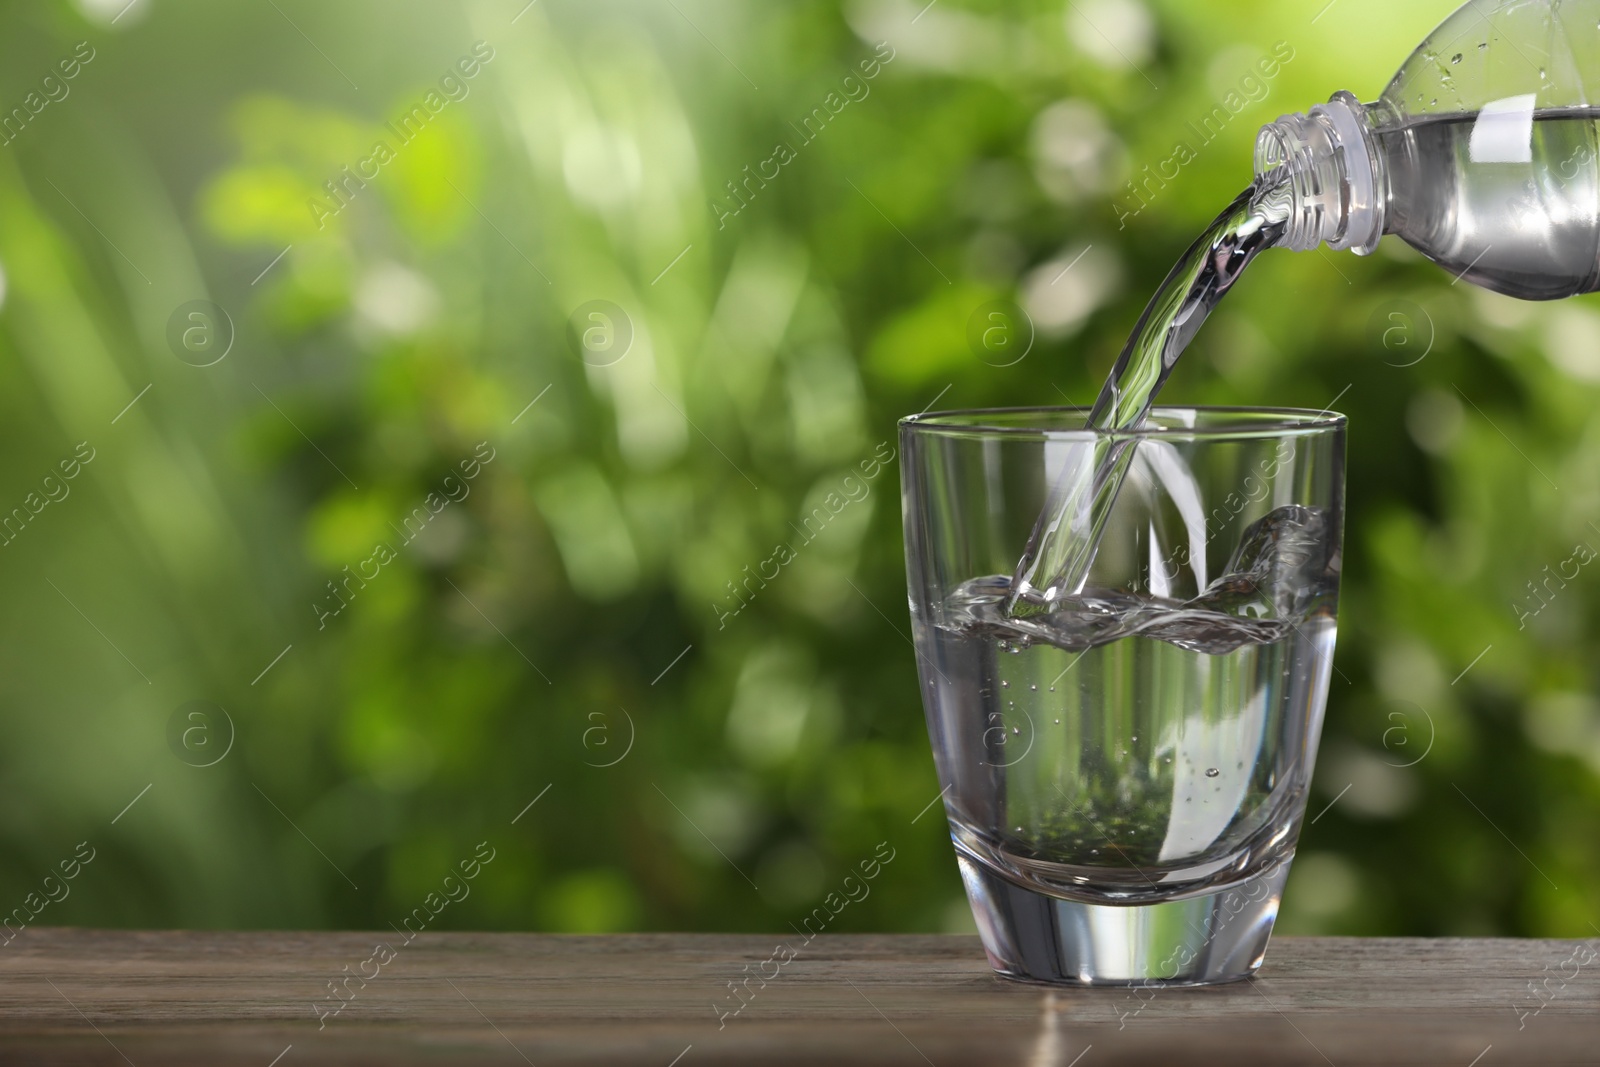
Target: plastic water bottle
(1483, 153)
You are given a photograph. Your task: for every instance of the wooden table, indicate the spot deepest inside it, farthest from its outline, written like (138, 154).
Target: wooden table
(94, 997)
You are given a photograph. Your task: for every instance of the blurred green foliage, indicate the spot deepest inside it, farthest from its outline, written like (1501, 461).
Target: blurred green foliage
(573, 608)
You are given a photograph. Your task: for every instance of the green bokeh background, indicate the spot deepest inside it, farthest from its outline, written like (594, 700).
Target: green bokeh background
(536, 626)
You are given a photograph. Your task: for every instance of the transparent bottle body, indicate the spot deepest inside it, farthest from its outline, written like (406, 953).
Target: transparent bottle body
(1483, 153)
(1489, 146)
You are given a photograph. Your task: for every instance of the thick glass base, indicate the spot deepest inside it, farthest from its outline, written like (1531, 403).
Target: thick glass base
(1200, 940)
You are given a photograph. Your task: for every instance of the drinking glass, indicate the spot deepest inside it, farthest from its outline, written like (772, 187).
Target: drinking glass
(1125, 766)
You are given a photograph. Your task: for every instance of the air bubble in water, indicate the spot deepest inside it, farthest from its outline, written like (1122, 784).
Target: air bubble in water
(1212, 772)
(1455, 59)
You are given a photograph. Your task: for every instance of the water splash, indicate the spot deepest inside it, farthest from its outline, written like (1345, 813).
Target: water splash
(1062, 546)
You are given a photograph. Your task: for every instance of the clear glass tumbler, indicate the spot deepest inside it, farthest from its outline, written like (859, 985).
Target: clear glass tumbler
(1125, 773)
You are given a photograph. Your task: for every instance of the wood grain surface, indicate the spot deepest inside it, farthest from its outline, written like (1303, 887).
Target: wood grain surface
(262, 999)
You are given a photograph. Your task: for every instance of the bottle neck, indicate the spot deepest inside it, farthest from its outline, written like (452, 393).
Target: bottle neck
(1324, 170)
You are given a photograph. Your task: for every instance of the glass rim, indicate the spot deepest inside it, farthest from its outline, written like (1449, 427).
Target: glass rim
(1234, 422)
